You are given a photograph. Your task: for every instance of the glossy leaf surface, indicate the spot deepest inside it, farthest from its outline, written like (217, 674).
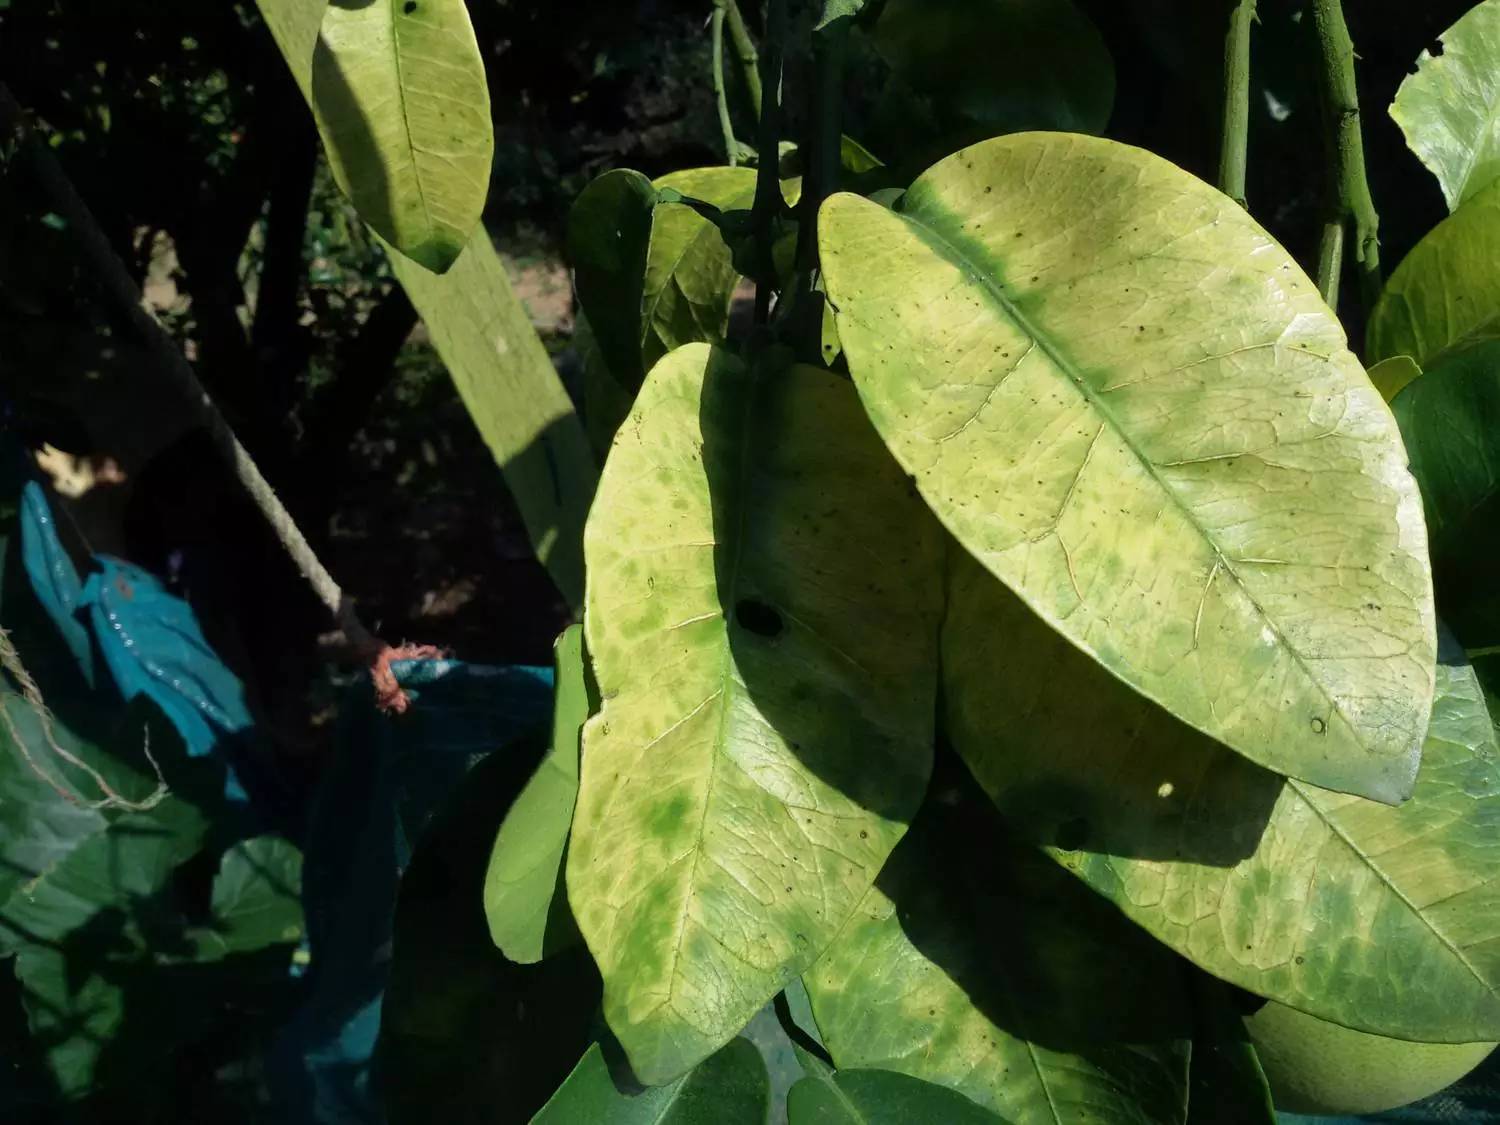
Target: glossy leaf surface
(730, 1087)
(400, 97)
(1442, 295)
(1450, 108)
(1123, 397)
(1383, 919)
(880, 1097)
(523, 887)
(762, 627)
(1450, 419)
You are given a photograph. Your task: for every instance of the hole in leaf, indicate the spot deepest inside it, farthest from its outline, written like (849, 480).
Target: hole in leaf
(758, 618)
(409, 7)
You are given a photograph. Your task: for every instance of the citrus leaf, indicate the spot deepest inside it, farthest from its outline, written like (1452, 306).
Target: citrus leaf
(1390, 376)
(690, 275)
(975, 964)
(1450, 420)
(1121, 395)
(400, 97)
(1000, 66)
(1441, 296)
(880, 1097)
(523, 888)
(730, 1087)
(1382, 919)
(497, 362)
(609, 239)
(762, 609)
(1450, 108)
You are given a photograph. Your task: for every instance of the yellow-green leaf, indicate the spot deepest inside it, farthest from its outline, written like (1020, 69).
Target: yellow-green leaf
(975, 964)
(1442, 295)
(399, 93)
(1382, 919)
(1131, 405)
(1450, 108)
(1390, 376)
(495, 358)
(762, 609)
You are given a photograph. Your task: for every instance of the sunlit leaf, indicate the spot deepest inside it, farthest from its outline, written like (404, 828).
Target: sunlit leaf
(1130, 404)
(1450, 108)
(400, 97)
(1384, 919)
(1442, 295)
(975, 964)
(762, 610)
(1390, 376)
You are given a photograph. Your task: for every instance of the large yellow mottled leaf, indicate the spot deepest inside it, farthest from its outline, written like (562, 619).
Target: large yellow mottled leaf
(1382, 919)
(1130, 404)
(762, 609)
(399, 93)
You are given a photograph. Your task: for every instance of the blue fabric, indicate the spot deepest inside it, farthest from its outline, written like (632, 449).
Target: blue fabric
(151, 643)
(389, 776)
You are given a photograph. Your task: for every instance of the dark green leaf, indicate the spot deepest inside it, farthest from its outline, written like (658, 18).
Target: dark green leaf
(730, 1087)
(880, 1097)
(609, 238)
(1225, 1082)
(1450, 420)
(466, 1035)
(525, 901)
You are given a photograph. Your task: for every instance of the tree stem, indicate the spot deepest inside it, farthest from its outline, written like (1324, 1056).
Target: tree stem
(1236, 130)
(1349, 189)
(1330, 261)
(744, 49)
(119, 288)
(768, 202)
(721, 92)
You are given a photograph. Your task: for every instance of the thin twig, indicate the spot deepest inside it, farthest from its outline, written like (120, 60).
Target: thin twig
(10, 660)
(744, 50)
(721, 92)
(768, 203)
(118, 286)
(1236, 130)
(1349, 188)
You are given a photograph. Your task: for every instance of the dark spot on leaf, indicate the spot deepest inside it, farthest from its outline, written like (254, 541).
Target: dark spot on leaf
(758, 618)
(409, 7)
(1318, 725)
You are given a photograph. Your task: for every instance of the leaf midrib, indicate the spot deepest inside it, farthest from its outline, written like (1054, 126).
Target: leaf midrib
(1008, 308)
(406, 129)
